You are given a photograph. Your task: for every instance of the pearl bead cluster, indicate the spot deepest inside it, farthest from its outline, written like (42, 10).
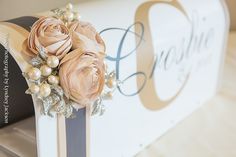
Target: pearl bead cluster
(44, 85)
(67, 15)
(111, 83)
(44, 72)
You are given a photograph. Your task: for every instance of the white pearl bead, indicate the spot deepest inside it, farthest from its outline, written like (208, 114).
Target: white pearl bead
(34, 74)
(53, 79)
(34, 88)
(52, 61)
(45, 90)
(112, 75)
(69, 6)
(69, 16)
(45, 70)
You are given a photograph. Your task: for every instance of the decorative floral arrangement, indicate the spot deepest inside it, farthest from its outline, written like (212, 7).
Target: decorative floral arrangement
(68, 69)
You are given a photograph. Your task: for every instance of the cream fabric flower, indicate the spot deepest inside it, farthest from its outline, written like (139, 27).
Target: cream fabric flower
(50, 34)
(82, 76)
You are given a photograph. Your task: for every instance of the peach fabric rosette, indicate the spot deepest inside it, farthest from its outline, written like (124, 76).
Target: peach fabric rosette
(51, 35)
(79, 79)
(82, 76)
(82, 71)
(85, 37)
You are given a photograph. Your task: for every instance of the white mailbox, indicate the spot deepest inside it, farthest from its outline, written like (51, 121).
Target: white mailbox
(168, 57)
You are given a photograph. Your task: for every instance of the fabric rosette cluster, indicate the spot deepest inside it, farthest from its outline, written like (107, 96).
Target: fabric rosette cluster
(68, 70)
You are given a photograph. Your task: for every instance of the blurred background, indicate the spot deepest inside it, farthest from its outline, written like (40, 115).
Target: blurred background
(27, 7)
